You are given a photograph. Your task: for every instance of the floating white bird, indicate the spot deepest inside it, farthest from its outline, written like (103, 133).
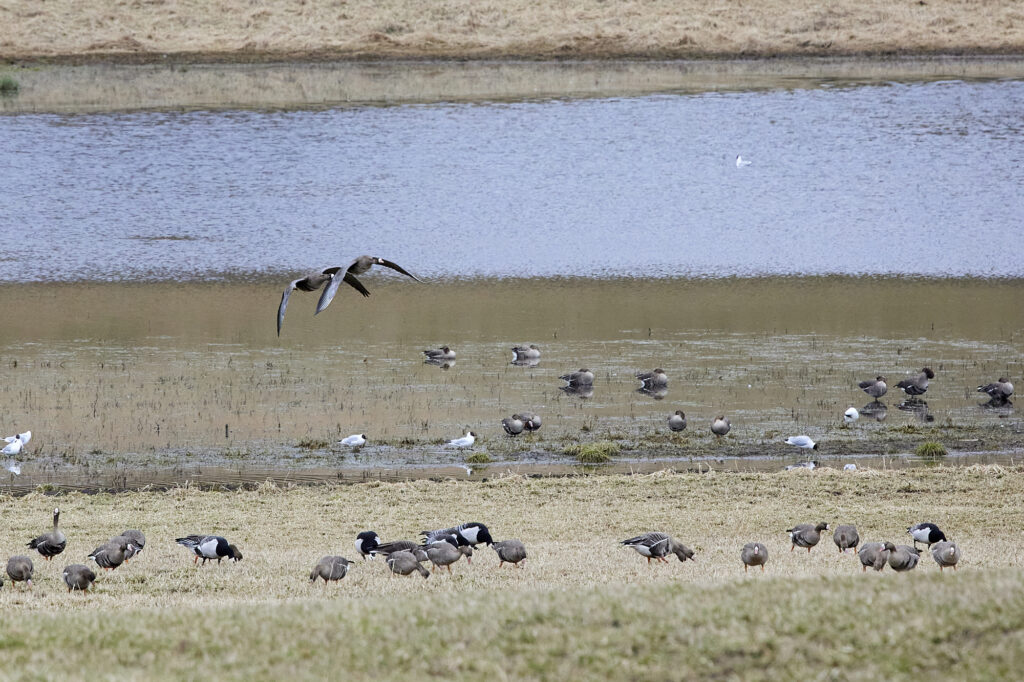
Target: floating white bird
(740, 162)
(802, 442)
(355, 440)
(849, 467)
(851, 415)
(463, 442)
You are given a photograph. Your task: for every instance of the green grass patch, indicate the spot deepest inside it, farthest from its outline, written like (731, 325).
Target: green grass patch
(479, 458)
(592, 453)
(8, 85)
(931, 449)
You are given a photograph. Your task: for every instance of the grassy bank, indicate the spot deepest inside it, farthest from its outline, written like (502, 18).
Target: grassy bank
(582, 605)
(276, 29)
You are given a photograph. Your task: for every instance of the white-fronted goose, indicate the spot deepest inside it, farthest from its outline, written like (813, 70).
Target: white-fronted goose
(845, 537)
(50, 544)
(78, 577)
(917, 385)
(404, 563)
(439, 354)
(330, 568)
(20, 569)
(1000, 391)
(389, 548)
(720, 426)
(754, 554)
(509, 551)
(443, 552)
(677, 422)
(138, 541)
(904, 558)
(654, 379)
(334, 276)
(875, 388)
(464, 442)
(805, 535)
(875, 555)
(802, 442)
(530, 420)
(851, 415)
(584, 377)
(525, 354)
(657, 545)
(927, 533)
(513, 426)
(946, 554)
(209, 547)
(356, 440)
(366, 543)
(111, 554)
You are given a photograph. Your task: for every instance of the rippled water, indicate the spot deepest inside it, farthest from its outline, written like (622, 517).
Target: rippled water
(906, 179)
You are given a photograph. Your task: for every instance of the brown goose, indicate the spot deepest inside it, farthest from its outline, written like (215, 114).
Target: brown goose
(112, 554)
(677, 422)
(511, 551)
(138, 541)
(905, 558)
(50, 544)
(720, 426)
(584, 377)
(875, 555)
(754, 554)
(846, 537)
(335, 276)
(513, 426)
(78, 577)
(917, 385)
(530, 420)
(404, 563)
(439, 354)
(389, 548)
(525, 354)
(657, 545)
(330, 568)
(444, 552)
(654, 379)
(946, 554)
(806, 535)
(20, 569)
(1000, 391)
(876, 389)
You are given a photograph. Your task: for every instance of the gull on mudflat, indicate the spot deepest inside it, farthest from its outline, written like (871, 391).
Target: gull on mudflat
(463, 442)
(802, 442)
(851, 415)
(355, 440)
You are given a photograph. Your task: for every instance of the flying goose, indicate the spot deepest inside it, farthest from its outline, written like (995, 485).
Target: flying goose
(927, 533)
(366, 543)
(754, 554)
(946, 554)
(875, 555)
(656, 545)
(404, 563)
(904, 558)
(917, 385)
(315, 280)
(802, 442)
(50, 544)
(805, 535)
(584, 377)
(677, 422)
(513, 426)
(845, 537)
(209, 547)
(111, 554)
(78, 577)
(720, 426)
(654, 379)
(511, 551)
(330, 568)
(1000, 391)
(875, 388)
(439, 354)
(20, 569)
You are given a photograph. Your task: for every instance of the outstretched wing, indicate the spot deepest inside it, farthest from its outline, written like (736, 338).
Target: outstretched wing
(332, 287)
(399, 268)
(284, 304)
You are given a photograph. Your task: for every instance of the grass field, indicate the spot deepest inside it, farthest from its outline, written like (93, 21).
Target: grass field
(278, 29)
(581, 607)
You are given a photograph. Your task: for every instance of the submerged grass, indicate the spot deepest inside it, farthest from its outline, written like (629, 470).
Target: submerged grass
(582, 607)
(8, 85)
(931, 449)
(592, 453)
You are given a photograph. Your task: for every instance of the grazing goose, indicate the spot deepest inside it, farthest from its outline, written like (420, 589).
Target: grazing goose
(20, 569)
(356, 440)
(404, 563)
(78, 577)
(511, 551)
(754, 554)
(111, 554)
(471, 534)
(389, 548)
(946, 554)
(806, 535)
(999, 391)
(530, 420)
(845, 537)
(677, 422)
(210, 547)
(138, 541)
(513, 426)
(720, 426)
(50, 544)
(334, 276)
(875, 388)
(330, 568)
(584, 377)
(656, 545)
(927, 533)
(443, 552)
(464, 442)
(851, 415)
(652, 380)
(904, 558)
(917, 385)
(439, 354)
(366, 543)
(802, 442)
(524, 354)
(875, 555)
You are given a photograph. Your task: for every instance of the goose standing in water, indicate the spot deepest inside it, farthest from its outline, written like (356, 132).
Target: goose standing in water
(657, 545)
(209, 547)
(531, 421)
(720, 426)
(999, 391)
(330, 568)
(677, 422)
(78, 577)
(584, 377)
(526, 355)
(50, 544)
(917, 385)
(20, 569)
(513, 426)
(653, 380)
(876, 388)
(333, 277)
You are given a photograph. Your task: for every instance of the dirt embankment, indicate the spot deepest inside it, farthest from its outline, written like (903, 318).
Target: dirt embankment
(259, 30)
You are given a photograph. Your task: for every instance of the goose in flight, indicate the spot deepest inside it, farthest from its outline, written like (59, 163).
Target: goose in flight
(333, 277)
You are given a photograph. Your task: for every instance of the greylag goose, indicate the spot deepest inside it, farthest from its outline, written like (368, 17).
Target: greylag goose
(754, 554)
(806, 535)
(330, 568)
(50, 544)
(209, 547)
(657, 545)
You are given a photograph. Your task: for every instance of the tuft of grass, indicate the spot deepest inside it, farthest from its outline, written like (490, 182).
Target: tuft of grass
(592, 453)
(8, 85)
(313, 444)
(931, 449)
(479, 458)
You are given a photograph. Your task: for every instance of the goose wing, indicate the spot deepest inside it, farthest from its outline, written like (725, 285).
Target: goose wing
(332, 287)
(284, 304)
(398, 268)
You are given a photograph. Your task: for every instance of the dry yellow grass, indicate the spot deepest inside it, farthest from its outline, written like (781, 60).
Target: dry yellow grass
(252, 29)
(582, 605)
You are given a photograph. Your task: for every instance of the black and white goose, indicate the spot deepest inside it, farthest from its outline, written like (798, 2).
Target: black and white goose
(209, 547)
(366, 543)
(389, 548)
(927, 533)
(657, 545)
(471, 534)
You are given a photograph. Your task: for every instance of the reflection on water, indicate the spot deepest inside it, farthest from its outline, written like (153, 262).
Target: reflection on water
(891, 178)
